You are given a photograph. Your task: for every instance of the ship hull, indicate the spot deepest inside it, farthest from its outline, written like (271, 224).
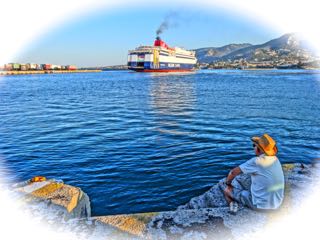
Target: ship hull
(162, 67)
(162, 70)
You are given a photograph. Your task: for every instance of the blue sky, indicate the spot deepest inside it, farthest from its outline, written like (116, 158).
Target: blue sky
(104, 38)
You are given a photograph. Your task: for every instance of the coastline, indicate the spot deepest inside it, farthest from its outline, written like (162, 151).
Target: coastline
(10, 73)
(6, 73)
(205, 215)
(259, 68)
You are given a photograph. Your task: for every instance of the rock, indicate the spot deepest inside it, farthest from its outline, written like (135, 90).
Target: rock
(199, 210)
(204, 217)
(132, 223)
(63, 200)
(207, 216)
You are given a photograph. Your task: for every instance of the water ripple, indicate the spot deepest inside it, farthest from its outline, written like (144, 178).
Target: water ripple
(150, 142)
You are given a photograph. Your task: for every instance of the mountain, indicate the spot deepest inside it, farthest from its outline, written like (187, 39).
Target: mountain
(289, 46)
(210, 54)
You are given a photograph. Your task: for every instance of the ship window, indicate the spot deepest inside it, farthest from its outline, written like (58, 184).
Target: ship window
(140, 64)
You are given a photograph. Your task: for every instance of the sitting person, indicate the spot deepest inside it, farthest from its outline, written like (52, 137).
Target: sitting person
(267, 179)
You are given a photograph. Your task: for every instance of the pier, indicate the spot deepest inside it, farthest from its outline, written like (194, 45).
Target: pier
(6, 73)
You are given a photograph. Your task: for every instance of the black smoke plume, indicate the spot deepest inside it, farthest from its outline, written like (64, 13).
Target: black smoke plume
(170, 20)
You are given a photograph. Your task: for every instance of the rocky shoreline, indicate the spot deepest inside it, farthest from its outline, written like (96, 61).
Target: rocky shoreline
(204, 217)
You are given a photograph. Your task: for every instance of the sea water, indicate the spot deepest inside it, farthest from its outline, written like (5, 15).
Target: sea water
(141, 142)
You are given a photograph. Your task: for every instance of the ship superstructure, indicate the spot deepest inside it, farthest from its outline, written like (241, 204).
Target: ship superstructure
(161, 58)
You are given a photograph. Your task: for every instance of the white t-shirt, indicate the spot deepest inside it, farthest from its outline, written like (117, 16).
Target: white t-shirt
(267, 179)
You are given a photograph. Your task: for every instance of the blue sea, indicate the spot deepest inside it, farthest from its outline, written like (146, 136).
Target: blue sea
(141, 142)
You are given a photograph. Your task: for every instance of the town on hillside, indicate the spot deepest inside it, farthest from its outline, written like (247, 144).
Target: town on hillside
(286, 52)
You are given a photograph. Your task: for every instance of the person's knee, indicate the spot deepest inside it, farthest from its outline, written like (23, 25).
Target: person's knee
(245, 198)
(245, 194)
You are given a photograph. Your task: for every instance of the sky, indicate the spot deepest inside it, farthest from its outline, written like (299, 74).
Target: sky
(104, 37)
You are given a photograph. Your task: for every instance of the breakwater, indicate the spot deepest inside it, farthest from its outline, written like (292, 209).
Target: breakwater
(5, 73)
(203, 217)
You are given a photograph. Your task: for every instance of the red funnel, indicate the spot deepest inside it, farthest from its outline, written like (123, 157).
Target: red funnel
(159, 43)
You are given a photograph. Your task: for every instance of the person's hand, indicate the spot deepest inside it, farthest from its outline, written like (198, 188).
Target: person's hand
(228, 189)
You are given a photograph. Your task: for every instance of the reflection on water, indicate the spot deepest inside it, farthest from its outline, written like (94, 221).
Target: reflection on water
(172, 99)
(173, 96)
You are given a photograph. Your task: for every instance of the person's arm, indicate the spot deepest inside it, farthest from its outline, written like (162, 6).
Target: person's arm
(232, 174)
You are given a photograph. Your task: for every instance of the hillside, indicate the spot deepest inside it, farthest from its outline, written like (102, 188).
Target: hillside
(288, 47)
(210, 54)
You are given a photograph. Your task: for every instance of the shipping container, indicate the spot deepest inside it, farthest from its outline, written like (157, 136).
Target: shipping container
(39, 67)
(23, 67)
(55, 67)
(15, 66)
(31, 66)
(47, 66)
(71, 67)
(8, 67)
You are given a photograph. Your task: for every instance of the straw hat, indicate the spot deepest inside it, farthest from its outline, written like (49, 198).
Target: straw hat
(266, 144)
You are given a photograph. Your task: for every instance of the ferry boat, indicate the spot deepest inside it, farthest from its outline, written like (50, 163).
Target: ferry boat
(161, 58)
